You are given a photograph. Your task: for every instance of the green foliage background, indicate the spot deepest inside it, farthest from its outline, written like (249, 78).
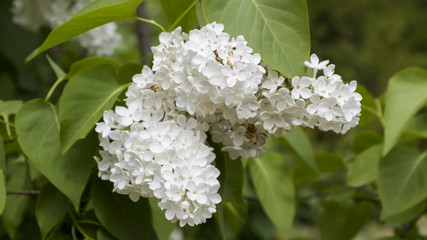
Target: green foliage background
(368, 184)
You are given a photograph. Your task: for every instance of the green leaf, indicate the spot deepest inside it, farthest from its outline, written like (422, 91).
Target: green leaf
(2, 157)
(122, 217)
(365, 139)
(231, 181)
(51, 208)
(84, 99)
(298, 141)
(368, 106)
(9, 107)
(96, 13)
(127, 71)
(329, 162)
(407, 215)
(417, 126)
(37, 127)
(272, 178)
(278, 30)
(57, 69)
(181, 13)
(162, 226)
(364, 168)
(405, 95)
(338, 221)
(3, 194)
(16, 205)
(402, 179)
(89, 64)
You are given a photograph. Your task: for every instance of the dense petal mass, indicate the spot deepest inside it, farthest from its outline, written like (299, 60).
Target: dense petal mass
(209, 83)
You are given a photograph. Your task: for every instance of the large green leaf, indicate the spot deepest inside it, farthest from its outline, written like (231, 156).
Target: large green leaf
(3, 194)
(161, 225)
(405, 95)
(417, 126)
(84, 99)
(402, 179)
(51, 208)
(2, 156)
(122, 217)
(96, 13)
(37, 127)
(298, 141)
(364, 168)
(338, 221)
(16, 205)
(278, 30)
(272, 178)
(181, 12)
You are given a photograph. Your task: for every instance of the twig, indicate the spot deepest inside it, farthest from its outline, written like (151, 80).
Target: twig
(23, 192)
(143, 34)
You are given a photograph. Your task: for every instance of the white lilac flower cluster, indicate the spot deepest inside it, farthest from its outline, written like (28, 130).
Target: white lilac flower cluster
(208, 84)
(34, 14)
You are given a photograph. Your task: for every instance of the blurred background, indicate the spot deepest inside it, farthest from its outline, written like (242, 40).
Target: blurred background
(367, 40)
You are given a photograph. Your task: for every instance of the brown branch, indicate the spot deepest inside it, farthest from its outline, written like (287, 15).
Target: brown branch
(23, 192)
(144, 34)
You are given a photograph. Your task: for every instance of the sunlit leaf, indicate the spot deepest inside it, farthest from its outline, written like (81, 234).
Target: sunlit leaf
(37, 127)
(124, 219)
(299, 142)
(96, 13)
(402, 179)
(51, 208)
(272, 178)
(85, 98)
(278, 30)
(364, 168)
(405, 95)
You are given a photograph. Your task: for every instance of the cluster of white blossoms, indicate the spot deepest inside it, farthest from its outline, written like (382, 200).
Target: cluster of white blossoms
(208, 84)
(34, 14)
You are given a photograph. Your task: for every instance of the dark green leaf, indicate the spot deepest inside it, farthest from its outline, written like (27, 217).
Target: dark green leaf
(2, 157)
(417, 126)
(37, 127)
(122, 217)
(2, 191)
(272, 178)
(299, 143)
(329, 162)
(366, 139)
(407, 215)
(364, 168)
(84, 99)
(341, 222)
(368, 106)
(16, 205)
(402, 179)
(405, 95)
(184, 9)
(278, 30)
(96, 13)
(51, 208)
(162, 226)
(57, 69)
(127, 71)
